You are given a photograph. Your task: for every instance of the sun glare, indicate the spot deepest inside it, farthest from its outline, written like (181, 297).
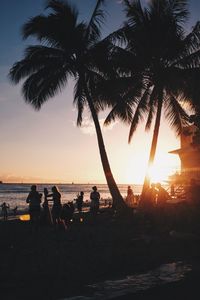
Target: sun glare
(157, 175)
(161, 170)
(164, 166)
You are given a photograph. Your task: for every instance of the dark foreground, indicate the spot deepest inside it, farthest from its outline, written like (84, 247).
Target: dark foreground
(57, 264)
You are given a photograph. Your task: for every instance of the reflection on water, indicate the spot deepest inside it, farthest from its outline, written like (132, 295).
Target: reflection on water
(16, 194)
(110, 289)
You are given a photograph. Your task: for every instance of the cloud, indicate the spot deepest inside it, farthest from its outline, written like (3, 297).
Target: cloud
(88, 127)
(12, 178)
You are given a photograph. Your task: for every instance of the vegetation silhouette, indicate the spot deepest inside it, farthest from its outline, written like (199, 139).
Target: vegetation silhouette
(158, 68)
(68, 48)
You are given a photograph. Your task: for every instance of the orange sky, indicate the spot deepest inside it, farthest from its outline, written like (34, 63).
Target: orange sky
(46, 146)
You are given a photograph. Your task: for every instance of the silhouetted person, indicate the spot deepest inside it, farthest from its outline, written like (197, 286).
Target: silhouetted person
(95, 198)
(5, 208)
(47, 217)
(72, 208)
(79, 202)
(15, 210)
(162, 195)
(137, 199)
(152, 194)
(57, 206)
(147, 205)
(34, 200)
(66, 213)
(130, 196)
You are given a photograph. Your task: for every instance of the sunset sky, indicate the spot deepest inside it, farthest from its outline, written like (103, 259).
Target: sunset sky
(46, 146)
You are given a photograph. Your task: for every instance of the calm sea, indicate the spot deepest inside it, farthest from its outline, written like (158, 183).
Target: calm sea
(16, 194)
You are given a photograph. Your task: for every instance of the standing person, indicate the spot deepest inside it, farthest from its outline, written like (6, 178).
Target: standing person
(94, 197)
(34, 200)
(147, 204)
(152, 194)
(79, 202)
(57, 206)
(5, 208)
(130, 196)
(162, 195)
(46, 210)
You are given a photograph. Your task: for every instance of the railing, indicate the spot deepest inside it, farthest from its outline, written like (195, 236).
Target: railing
(178, 192)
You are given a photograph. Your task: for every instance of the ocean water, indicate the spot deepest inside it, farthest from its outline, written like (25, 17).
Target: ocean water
(16, 194)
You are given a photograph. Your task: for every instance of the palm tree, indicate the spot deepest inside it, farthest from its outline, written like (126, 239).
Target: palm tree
(67, 48)
(163, 61)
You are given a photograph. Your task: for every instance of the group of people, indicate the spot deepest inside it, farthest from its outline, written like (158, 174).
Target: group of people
(58, 214)
(156, 195)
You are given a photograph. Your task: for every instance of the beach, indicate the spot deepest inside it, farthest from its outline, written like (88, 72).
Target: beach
(59, 264)
(112, 96)
(16, 194)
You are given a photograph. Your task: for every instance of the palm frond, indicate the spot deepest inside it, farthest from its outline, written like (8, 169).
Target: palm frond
(141, 109)
(118, 37)
(60, 7)
(189, 46)
(135, 13)
(94, 25)
(79, 100)
(151, 105)
(55, 28)
(192, 40)
(179, 10)
(44, 84)
(175, 114)
(36, 58)
(122, 110)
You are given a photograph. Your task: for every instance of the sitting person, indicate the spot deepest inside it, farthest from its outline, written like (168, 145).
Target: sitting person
(79, 202)
(67, 212)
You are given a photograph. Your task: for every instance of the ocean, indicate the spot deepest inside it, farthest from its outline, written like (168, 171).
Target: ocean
(16, 194)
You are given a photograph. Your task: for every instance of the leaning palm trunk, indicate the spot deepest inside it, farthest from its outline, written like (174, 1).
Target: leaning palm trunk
(147, 179)
(118, 202)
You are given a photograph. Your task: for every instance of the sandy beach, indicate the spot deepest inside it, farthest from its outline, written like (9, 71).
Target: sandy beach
(57, 264)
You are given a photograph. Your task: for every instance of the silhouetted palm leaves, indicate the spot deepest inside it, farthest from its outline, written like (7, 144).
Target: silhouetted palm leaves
(163, 63)
(68, 48)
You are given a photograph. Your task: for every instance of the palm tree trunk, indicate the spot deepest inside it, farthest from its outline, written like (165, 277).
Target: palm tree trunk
(153, 146)
(118, 201)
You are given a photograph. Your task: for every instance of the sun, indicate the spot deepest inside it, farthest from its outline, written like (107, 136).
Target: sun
(136, 168)
(157, 174)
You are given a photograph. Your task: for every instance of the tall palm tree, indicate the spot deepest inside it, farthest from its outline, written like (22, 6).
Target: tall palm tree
(67, 48)
(163, 60)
